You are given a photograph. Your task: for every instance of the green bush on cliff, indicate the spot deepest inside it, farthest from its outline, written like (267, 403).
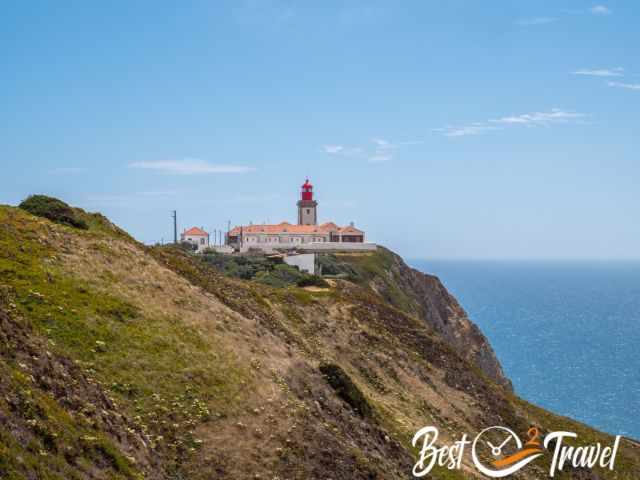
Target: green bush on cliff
(54, 210)
(332, 266)
(281, 275)
(245, 267)
(261, 269)
(309, 280)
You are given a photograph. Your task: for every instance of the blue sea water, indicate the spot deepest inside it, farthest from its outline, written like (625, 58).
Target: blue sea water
(566, 333)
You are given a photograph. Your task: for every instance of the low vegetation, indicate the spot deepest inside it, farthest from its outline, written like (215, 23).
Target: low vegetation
(262, 269)
(120, 361)
(54, 210)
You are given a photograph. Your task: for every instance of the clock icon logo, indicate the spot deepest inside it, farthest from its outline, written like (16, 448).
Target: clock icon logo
(502, 449)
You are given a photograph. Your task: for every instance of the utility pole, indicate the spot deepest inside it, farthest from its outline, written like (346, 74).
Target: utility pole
(228, 230)
(174, 215)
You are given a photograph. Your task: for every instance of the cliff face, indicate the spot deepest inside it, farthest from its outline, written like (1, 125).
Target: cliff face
(424, 296)
(122, 361)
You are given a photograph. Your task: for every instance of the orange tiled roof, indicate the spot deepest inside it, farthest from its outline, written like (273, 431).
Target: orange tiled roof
(350, 230)
(195, 231)
(329, 226)
(286, 227)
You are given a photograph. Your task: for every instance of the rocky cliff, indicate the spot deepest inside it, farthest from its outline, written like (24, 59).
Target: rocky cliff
(424, 297)
(123, 361)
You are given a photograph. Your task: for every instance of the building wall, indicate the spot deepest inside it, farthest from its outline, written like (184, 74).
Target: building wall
(306, 262)
(283, 239)
(201, 242)
(329, 247)
(271, 241)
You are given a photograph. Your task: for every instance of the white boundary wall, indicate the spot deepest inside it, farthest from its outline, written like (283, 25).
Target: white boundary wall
(306, 262)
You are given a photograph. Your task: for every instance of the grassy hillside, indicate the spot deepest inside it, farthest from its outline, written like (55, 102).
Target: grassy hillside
(124, 361)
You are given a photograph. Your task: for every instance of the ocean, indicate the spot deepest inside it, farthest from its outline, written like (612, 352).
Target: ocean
(566, 333)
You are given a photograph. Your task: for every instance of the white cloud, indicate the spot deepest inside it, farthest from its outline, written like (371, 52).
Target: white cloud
(465, 130)
(382, 144)
(333, 149)
(600, 10)
(527, 22)
(601, 72)
(556, 115)
(342, 150)
(628, 86)
(382, 150)
(189, 167)
(536, 119)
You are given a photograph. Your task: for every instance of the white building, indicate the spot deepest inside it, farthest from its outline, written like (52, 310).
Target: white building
(196, 236)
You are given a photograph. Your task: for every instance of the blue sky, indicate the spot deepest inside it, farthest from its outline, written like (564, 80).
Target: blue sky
(458, 129)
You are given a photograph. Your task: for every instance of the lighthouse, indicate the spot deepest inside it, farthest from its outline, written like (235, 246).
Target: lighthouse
(307, 206)
(306, 235)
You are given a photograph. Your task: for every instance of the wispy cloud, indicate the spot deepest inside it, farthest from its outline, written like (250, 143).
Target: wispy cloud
(333, 149)
(384, 150)
(600, 10)
(189, 167)
(556, 115)
(528, 22)
(341, 150)
(382, 144)
(628, 86)
(535, 119)
(601, 72)
(378, 151)
(465, 130)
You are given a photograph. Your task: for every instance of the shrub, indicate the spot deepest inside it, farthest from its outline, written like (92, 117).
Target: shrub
(281, 275)
(53, 209)
(346, 389)
(312, 281)
(188, 246)
(331, 265)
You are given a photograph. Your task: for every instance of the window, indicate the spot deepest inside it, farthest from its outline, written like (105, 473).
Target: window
(308, 211)
(202, 241)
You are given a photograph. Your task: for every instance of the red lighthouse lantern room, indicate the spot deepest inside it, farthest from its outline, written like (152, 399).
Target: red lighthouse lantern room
(307, 191)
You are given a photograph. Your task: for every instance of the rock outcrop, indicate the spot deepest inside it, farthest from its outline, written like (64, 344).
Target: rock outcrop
(431, 301)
